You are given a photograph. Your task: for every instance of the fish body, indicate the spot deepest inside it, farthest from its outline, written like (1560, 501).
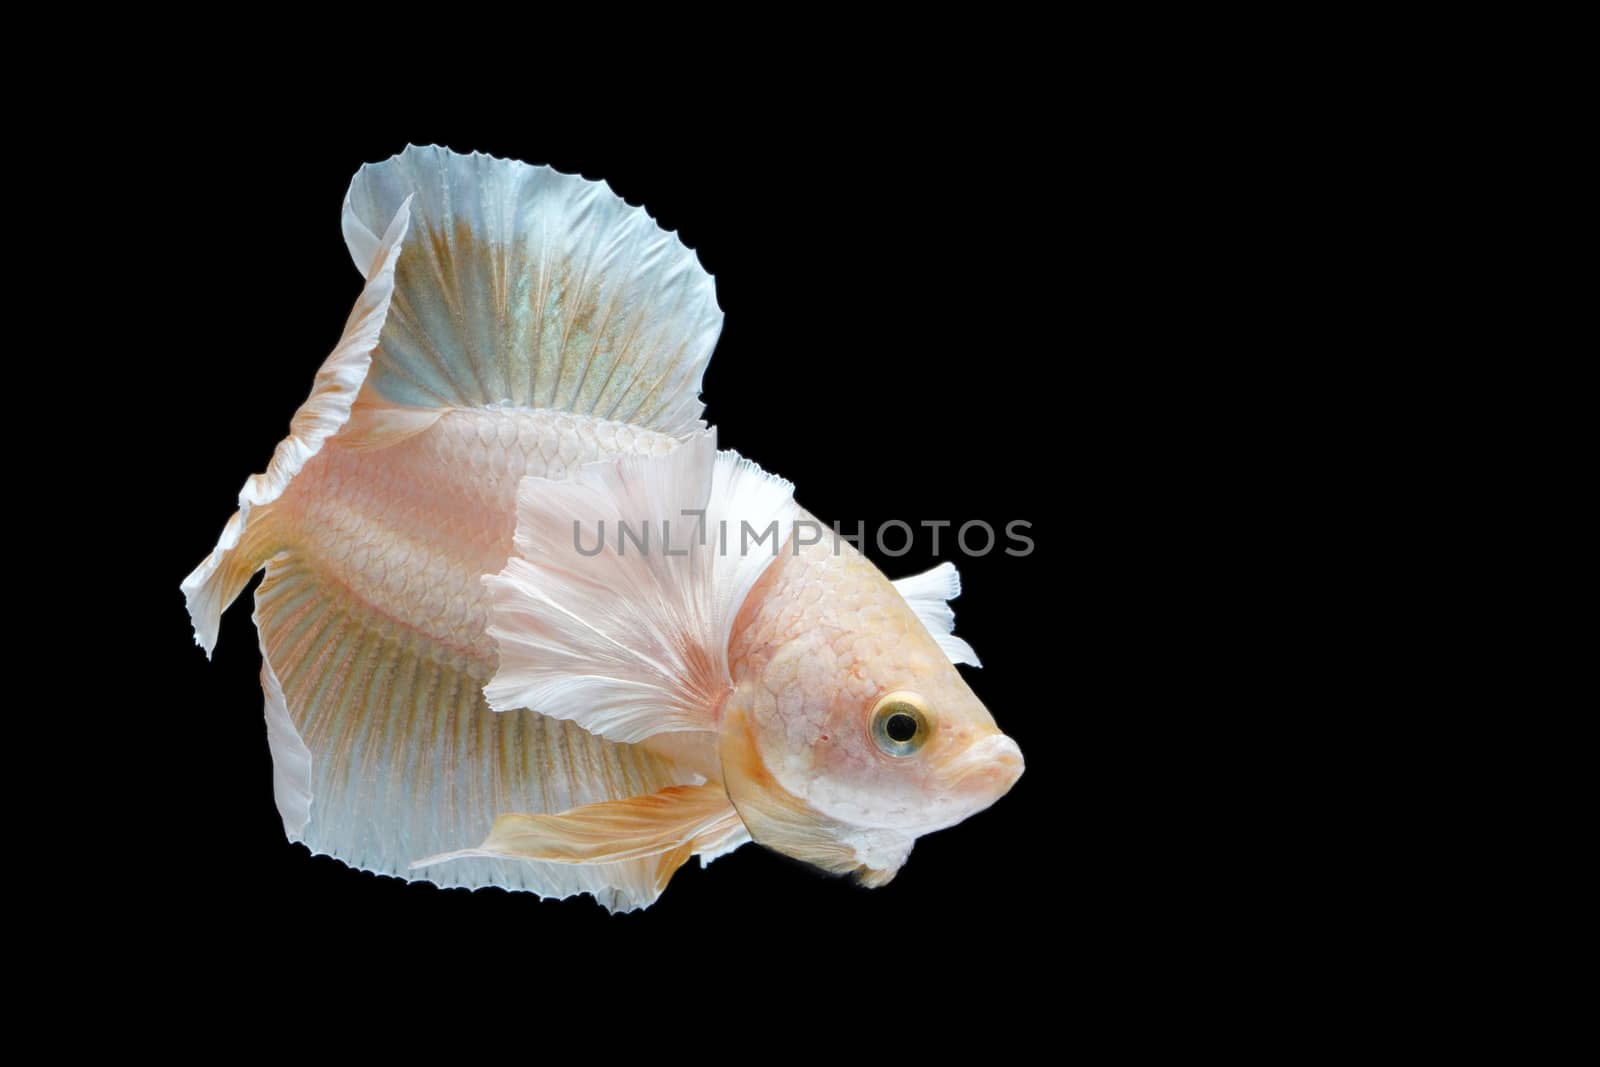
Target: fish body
(411, 530)
(467, 680)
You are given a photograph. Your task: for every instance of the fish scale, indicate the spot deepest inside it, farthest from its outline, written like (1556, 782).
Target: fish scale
(410, 530)
(459, 690)
(490, 287)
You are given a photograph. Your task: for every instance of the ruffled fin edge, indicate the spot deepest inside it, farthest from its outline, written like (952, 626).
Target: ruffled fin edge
(928, 594)
(247, 540)
(629, 640)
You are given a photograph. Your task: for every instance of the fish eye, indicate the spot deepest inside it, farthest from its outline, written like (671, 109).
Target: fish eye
(900, 724)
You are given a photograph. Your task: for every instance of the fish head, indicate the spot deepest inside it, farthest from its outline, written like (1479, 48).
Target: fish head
(849, 732)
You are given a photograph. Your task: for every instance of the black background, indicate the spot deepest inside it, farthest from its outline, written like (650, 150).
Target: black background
(1129, 304)
(900, 340)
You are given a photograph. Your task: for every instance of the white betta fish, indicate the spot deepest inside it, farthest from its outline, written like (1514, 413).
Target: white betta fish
(520, 625)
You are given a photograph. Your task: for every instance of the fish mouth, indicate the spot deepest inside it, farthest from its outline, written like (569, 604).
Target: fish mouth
(986, 768)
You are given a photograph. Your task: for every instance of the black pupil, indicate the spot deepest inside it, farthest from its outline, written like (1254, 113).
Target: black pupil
(901, 727)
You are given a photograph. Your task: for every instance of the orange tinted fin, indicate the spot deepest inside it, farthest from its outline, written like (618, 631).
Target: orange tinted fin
(672, 824)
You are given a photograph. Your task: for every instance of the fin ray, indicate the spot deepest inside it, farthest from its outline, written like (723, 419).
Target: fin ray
(630, 641)
(610, 832)
(384, 753)
(245, 545)
(928, 594)
(522, 285)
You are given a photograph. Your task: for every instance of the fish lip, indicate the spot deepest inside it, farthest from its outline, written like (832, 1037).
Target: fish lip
(995, 759)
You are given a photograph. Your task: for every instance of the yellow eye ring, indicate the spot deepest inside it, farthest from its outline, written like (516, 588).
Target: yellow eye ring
(901, 724)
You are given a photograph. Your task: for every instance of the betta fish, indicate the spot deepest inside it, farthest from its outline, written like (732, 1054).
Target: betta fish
(523, 624)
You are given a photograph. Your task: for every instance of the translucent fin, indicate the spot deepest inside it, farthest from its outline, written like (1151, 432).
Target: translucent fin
(666, 827)
(248, 539)
(385, 752)
(524, 286)
(291, 760)
(712, 845)
(928, 594)
(607, 617)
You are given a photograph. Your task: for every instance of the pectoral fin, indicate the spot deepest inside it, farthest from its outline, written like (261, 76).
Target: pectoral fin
(673, 824)
(630, 639)
(929, 594)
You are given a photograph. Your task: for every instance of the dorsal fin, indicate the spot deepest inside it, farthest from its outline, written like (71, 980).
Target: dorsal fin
(520, 285)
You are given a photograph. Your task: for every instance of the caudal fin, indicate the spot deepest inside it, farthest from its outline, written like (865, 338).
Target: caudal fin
(248, 540)
(494, 282)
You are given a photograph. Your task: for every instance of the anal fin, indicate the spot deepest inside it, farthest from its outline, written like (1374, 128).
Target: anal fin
(384, 752)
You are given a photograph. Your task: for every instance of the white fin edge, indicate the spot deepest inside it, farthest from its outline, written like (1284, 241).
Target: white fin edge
(291, 759)
(626, 640)
(212, 586)
(929, 594)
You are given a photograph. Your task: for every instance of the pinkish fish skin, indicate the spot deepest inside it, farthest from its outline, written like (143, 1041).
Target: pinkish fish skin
(454, 693)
